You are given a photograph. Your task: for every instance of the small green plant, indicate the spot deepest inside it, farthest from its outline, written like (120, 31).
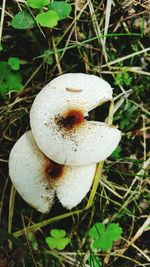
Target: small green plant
(123, 78)
(46, 14)
(10, 78)
(23, 20)
(48, 58)
(14, 63)
(47, 19)
(32, 239)
(58, 239)
(126, 116)
(103, 237)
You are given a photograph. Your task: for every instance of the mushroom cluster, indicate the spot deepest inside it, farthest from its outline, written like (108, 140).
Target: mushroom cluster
(60, 153)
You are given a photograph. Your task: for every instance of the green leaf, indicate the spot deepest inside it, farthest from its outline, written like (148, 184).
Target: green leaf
(58, 233)
(23, 20)
(4, 73)
(51, 242)
(31, 237)
(35, 245)
(114, 231)
(14, 82)
(103, 237)
(9, 80)
(37, 3)
(3, 90)
(123, 78)
(47, 19)
(57, 243)
(63, 9)
(4, 70)
(104, 243)
(62, 243)
(116, 153)
(58, 239)
(14, 63)
(97, 230)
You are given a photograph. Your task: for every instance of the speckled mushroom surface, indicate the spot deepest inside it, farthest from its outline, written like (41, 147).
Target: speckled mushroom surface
(37, 178)
(59, 125)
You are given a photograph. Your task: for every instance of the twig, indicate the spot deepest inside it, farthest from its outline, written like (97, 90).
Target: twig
(126, 57)
(56, 56)
(136, 236)
(11, 211)
(107, 19)
(2, 19)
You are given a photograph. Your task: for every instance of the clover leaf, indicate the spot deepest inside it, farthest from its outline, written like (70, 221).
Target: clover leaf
(114, 230)
(103, 242)
(103, 237)
(47, 19)
(61, 8)
(58, 239)
(37, 3)
(96, 230)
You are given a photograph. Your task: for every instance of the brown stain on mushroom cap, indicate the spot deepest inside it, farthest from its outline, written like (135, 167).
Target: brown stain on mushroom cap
(71, 119)
(52, 171)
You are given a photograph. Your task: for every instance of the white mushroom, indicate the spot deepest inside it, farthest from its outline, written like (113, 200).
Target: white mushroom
(59, 125)
(37, 178)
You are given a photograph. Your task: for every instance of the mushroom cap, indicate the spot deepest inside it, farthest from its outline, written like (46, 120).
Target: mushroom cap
(37, 178)
(58, 121)
(75, 185)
